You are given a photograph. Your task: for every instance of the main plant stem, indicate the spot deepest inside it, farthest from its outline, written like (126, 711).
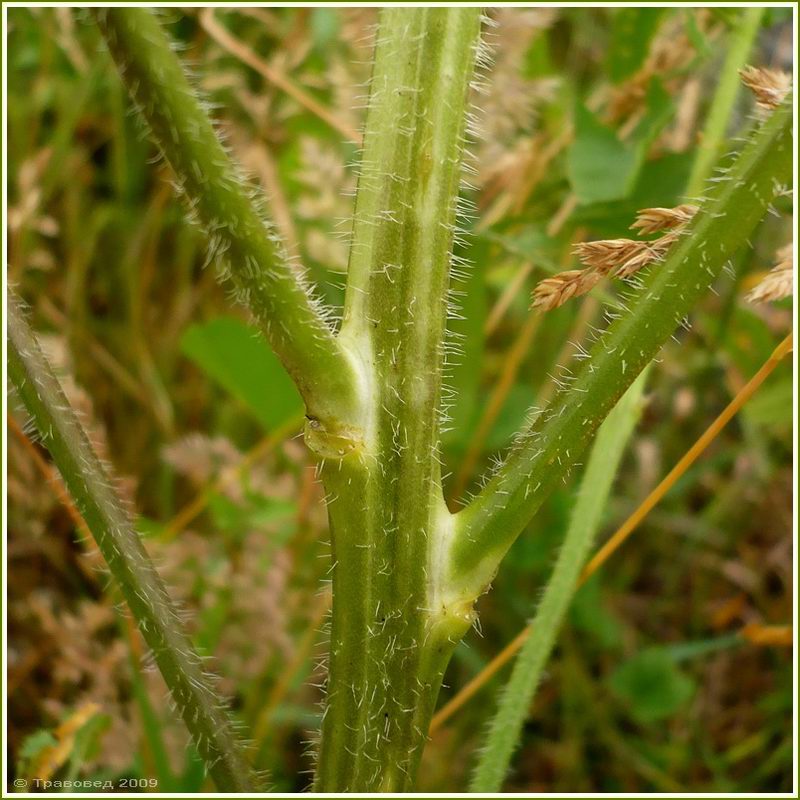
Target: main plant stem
(393, 628)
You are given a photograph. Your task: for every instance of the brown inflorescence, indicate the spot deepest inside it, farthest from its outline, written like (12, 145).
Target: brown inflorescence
(653, 220)
(779, 281)
(770, 86)
(618, 258)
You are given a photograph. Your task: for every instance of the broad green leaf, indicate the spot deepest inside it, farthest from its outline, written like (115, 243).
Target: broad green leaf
(590, 615)
(632, 31)
(530, 242)
(242, 363)
(34, 744)
(325, 23)
(772, 405)
(255, 511)
(651, 686)
(661, 182)
(600, 166)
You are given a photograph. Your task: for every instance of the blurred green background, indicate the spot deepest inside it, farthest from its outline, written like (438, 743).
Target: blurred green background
(588, 115)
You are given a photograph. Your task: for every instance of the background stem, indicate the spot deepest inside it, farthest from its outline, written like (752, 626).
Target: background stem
(90, 485)
(719, 114)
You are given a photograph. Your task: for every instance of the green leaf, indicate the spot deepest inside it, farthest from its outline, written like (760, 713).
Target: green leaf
(242, 363)
(772, 406)
(651, 686)
(632, 31)
(661, 182)
(590, 615)
(255, 512)
(600, 166)
(324, 26)
(32, 746)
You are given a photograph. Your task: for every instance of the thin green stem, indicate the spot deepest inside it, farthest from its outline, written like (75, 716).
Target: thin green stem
(392, 629)
(239, 235)
(89, 483)
(515, 701)
(708, 149)
(736, 201)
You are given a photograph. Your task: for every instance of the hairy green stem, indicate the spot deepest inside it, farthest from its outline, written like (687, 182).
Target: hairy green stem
(89, 483)
(737, 200)
(393, 628)
(595, 488)
(225, 208)
(708, 149)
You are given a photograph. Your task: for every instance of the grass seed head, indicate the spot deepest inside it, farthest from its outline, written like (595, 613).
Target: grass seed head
(779, 281)
(770, 86)
(555, 291)
(653, 220)
(619, 258)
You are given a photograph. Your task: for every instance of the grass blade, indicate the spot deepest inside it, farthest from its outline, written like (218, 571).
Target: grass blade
(595, 487)
(742, 42)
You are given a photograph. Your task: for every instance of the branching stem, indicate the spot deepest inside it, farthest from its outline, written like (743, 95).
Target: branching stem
(226, 209)
(736, 202)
